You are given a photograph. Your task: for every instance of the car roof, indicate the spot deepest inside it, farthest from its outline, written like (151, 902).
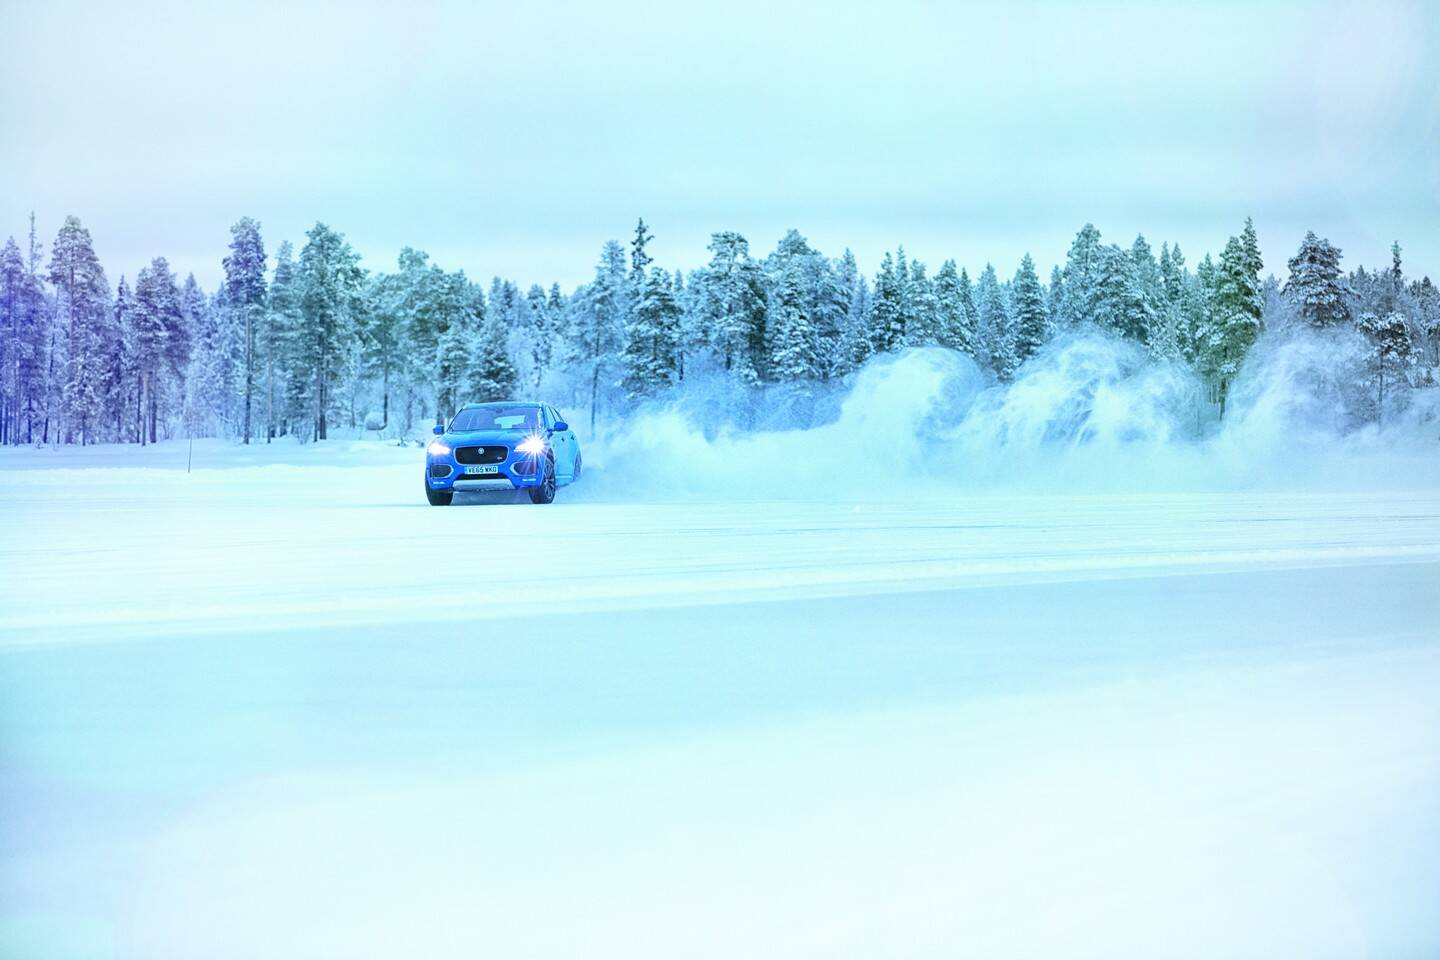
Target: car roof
(507, 403)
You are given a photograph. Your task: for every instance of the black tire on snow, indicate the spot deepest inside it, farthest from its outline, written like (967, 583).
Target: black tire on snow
(577, 469)
(545, 493)
(439, 498)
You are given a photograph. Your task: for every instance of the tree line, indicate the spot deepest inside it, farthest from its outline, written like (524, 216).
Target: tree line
(294, 345)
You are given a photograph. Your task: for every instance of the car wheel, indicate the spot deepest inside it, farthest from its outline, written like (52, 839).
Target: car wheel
(545, 493)
(576, 475)
(439, 498)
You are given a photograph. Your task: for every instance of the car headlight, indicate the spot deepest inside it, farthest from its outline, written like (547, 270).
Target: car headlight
(531, 445)
(437, 449)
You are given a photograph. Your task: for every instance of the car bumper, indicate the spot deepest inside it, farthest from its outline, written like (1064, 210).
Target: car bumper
(515, 473)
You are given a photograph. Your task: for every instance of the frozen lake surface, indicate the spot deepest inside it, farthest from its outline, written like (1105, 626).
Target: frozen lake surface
(279, 707)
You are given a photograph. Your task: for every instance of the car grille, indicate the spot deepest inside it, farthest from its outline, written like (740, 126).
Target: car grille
(468, 455)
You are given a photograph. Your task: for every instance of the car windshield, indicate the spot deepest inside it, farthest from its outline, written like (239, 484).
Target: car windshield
(499, 417)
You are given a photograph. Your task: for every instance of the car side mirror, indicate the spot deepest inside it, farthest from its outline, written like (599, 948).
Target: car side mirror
(560, 426)
(439, 429)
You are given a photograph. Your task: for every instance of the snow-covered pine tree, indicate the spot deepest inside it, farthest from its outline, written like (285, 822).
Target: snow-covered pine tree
(1238, 310)
(1390, 358)
(1145, 299)
(1083, 268)
(12, 272)
(1425, 300)
(1110, 297)
(1029, 317)
(284, 390)
(542, 327)
(997, 337)
(733, 307)
(125, 390)
(245, 294)
(215, 369)
(833, 329)
(490, 374)
(795, 357)
(599, 318)
(330, 281)
(158, 317)
(1055, 298)
(923, 326)
(1316, 287)
(887, 313)
(956, 307)
(859, 338)
(459, 311)
(640, 261)
(651, 359)
(82, 304)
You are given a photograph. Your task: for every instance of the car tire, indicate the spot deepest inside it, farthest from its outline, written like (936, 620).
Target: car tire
(576, 475)
(545, 493)
(439, 498)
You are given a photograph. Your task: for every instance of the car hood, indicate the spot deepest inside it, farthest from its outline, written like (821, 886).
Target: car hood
(483, 438)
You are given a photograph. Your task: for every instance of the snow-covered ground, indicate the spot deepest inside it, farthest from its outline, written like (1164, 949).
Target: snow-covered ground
(277, 706)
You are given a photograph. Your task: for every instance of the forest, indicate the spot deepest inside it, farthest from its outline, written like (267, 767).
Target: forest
(302, 345)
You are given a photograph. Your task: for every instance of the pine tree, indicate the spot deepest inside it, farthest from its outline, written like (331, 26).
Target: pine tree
(923, 326)
(1110, 297)
(996, 333)
(1391, 355)
(956, 307)
(1315, 286)
(1083, 267)
(490, 374)
(833, 329)
(463, 370)
(1055, 298)
(330, 281)
(894, 311)
(651, 357)
(125, 376)
(795, 358)
(216, 363)
(1145, 299)
(859, 342)
(542, 326)
(158, 318)
(639, 260)
(600, 320)
(14, 330)
(278, 341)
(1028, 313)
(82, 302)
(245, 294)
(733, 298)
(1237, 312)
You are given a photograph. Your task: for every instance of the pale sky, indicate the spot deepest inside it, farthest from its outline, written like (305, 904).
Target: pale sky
(515, 138)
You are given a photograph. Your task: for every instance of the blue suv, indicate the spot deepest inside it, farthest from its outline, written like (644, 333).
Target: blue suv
(501, 446)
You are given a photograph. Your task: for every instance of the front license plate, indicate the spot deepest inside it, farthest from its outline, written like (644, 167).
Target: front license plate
(487, 470)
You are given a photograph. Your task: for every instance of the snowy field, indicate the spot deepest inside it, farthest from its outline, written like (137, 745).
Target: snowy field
(278, 707)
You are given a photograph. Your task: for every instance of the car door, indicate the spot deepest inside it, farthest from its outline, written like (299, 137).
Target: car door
(565, 445)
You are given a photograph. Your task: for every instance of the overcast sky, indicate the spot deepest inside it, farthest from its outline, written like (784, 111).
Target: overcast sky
(514, 138)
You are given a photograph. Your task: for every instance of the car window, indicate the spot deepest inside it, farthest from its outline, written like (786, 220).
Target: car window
(500, 417)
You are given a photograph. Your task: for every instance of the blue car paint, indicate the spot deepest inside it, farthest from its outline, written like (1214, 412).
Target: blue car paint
(518, 470)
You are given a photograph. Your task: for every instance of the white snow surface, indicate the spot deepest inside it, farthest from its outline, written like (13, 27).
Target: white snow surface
(1145, 703)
